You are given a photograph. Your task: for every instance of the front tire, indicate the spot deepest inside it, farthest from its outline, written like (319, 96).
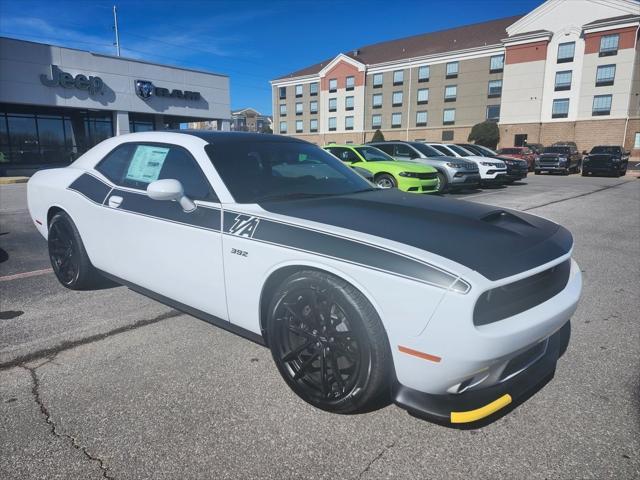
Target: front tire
(328, 343)
(384, 180)
(442, 183)
(69, 259)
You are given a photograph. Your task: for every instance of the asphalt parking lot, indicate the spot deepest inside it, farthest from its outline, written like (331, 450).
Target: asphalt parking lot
(109, 384)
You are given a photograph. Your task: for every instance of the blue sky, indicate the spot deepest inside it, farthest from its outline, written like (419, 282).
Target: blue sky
(251, 41)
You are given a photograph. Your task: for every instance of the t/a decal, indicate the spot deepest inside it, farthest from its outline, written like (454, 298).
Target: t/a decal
(244, 226)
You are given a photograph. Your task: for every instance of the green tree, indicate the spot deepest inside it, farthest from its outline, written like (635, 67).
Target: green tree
(485, 133)
(377, 136)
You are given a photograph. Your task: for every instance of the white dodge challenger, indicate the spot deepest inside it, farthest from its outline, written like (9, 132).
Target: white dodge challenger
(453, 310)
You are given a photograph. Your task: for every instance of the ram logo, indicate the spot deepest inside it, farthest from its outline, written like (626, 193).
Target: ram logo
(144, 89)
(244, 226)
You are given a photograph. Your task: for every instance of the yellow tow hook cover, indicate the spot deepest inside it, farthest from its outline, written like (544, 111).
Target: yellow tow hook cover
(482, 412)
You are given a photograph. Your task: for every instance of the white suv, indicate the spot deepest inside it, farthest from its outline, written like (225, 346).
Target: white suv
(492, 171)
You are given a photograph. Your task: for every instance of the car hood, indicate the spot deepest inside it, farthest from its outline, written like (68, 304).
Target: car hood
(398, 166)
(493, 241)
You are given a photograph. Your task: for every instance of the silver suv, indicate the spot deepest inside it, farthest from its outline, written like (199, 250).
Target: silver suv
(453, 173)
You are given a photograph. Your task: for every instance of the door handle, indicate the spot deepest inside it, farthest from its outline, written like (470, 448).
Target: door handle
(115, 201)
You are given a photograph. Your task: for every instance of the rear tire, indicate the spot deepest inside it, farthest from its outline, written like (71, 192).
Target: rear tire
(68, 256)
(384, 180)
(328, 343)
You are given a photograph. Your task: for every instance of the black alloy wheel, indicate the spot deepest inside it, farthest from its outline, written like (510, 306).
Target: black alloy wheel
(328, 343)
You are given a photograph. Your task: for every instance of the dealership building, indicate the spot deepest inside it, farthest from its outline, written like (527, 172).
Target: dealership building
(566, 71)
(55, 102)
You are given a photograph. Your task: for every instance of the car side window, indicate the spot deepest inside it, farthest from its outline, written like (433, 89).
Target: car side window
(404, 151)
(136, 165)
(386, 148)
(349, 156)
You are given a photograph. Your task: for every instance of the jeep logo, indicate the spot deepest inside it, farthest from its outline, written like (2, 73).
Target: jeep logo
(65, 80)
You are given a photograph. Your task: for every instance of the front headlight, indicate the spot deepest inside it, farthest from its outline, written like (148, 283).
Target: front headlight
(585, 158)
(562, 159)
(409, 174)
(486, 164)
(615, 159)
(455, 165)
(508, 162)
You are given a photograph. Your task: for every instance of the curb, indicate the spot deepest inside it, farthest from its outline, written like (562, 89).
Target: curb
(11, 180)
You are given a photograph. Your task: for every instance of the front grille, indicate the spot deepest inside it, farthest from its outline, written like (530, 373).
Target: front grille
(513, 298)
(426, 176)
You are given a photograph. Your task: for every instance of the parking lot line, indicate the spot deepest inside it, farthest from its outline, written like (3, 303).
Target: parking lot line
(34, 273)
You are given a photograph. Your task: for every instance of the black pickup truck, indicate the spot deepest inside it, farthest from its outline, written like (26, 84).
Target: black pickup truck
(605, 159)
(559, 157)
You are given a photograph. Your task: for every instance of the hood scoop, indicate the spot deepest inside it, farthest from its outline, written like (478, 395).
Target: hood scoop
(508, 221)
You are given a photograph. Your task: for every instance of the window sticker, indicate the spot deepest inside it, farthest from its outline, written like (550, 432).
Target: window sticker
(146, 163)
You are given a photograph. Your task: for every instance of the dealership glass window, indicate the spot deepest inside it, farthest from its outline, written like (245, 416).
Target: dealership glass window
(609, 45)
(423, 96)
(313, 126)
(283, 127)
(563, 80)
(601, 105)
(299, 126)
(449, 116)
(298, 90)
(350, 83)
(450, 93)
(421, 119)
(348, 123)
(398, 77)
(396, 120)
(496, 64)
(560, 108)
(139, 122)
(605, 75)
(298, 108)
(376, 121)
(348, 103)
(423, 73)
(333, 104)
(99, 126)
(333, 85)
(283, 110)
(313, 106)
(376, 101)
(452, 69)
(495, 88)
(493, 112)
(313, 89)
(566, 52)
(333, 124)
(377, 80)
(283, 93)
(396, 100)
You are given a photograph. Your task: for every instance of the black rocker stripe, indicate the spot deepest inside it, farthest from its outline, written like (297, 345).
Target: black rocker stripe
(91, 187)
(344, 249)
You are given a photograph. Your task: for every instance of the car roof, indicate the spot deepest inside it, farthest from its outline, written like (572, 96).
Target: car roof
(213, 136)
(343, 145)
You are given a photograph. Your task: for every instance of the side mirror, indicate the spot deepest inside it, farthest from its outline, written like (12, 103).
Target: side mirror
(170, 189)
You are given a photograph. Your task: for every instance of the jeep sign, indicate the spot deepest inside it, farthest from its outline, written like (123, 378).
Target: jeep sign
(65, 80)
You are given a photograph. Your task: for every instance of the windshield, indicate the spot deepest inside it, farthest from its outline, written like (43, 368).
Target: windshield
(460, 151)
(256, 171)
(556, 150)
(426, 150)
(486, 150)
(372, 154)
(607, 150)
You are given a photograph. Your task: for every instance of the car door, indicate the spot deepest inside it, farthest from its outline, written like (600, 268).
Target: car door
(404, 152)
(155, 244)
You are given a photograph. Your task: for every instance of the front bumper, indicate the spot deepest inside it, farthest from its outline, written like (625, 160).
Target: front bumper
(552, 168)
(517, 173)
(464, 180)
(475, 405)
(417, 185)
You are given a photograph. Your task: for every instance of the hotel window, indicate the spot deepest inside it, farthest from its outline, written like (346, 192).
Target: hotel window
(423, 96)
(560, 108)
(313, 89)
(333, 124)
(605, 75)
(563, 80)
(298, 91)
(299, 126)
(450, 93)
(496, 64)
(398, 77)
(313, 126)
(377, 101)
(313, 106)
(376, 121)
(298, 108)
(609, 45)
(495, 88)
(493, 112)
(424, 73)
(333, 85)
(350, 83)
(452, 69)
(377, 80)
(283, 127)
(396, 120)
(282, 92)
(333, 104)
(283, 110)
(421, 119)
(396, 100)
(566, 52)
(348, 103)
(601, 105)
(348, 123)
(449, 116)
